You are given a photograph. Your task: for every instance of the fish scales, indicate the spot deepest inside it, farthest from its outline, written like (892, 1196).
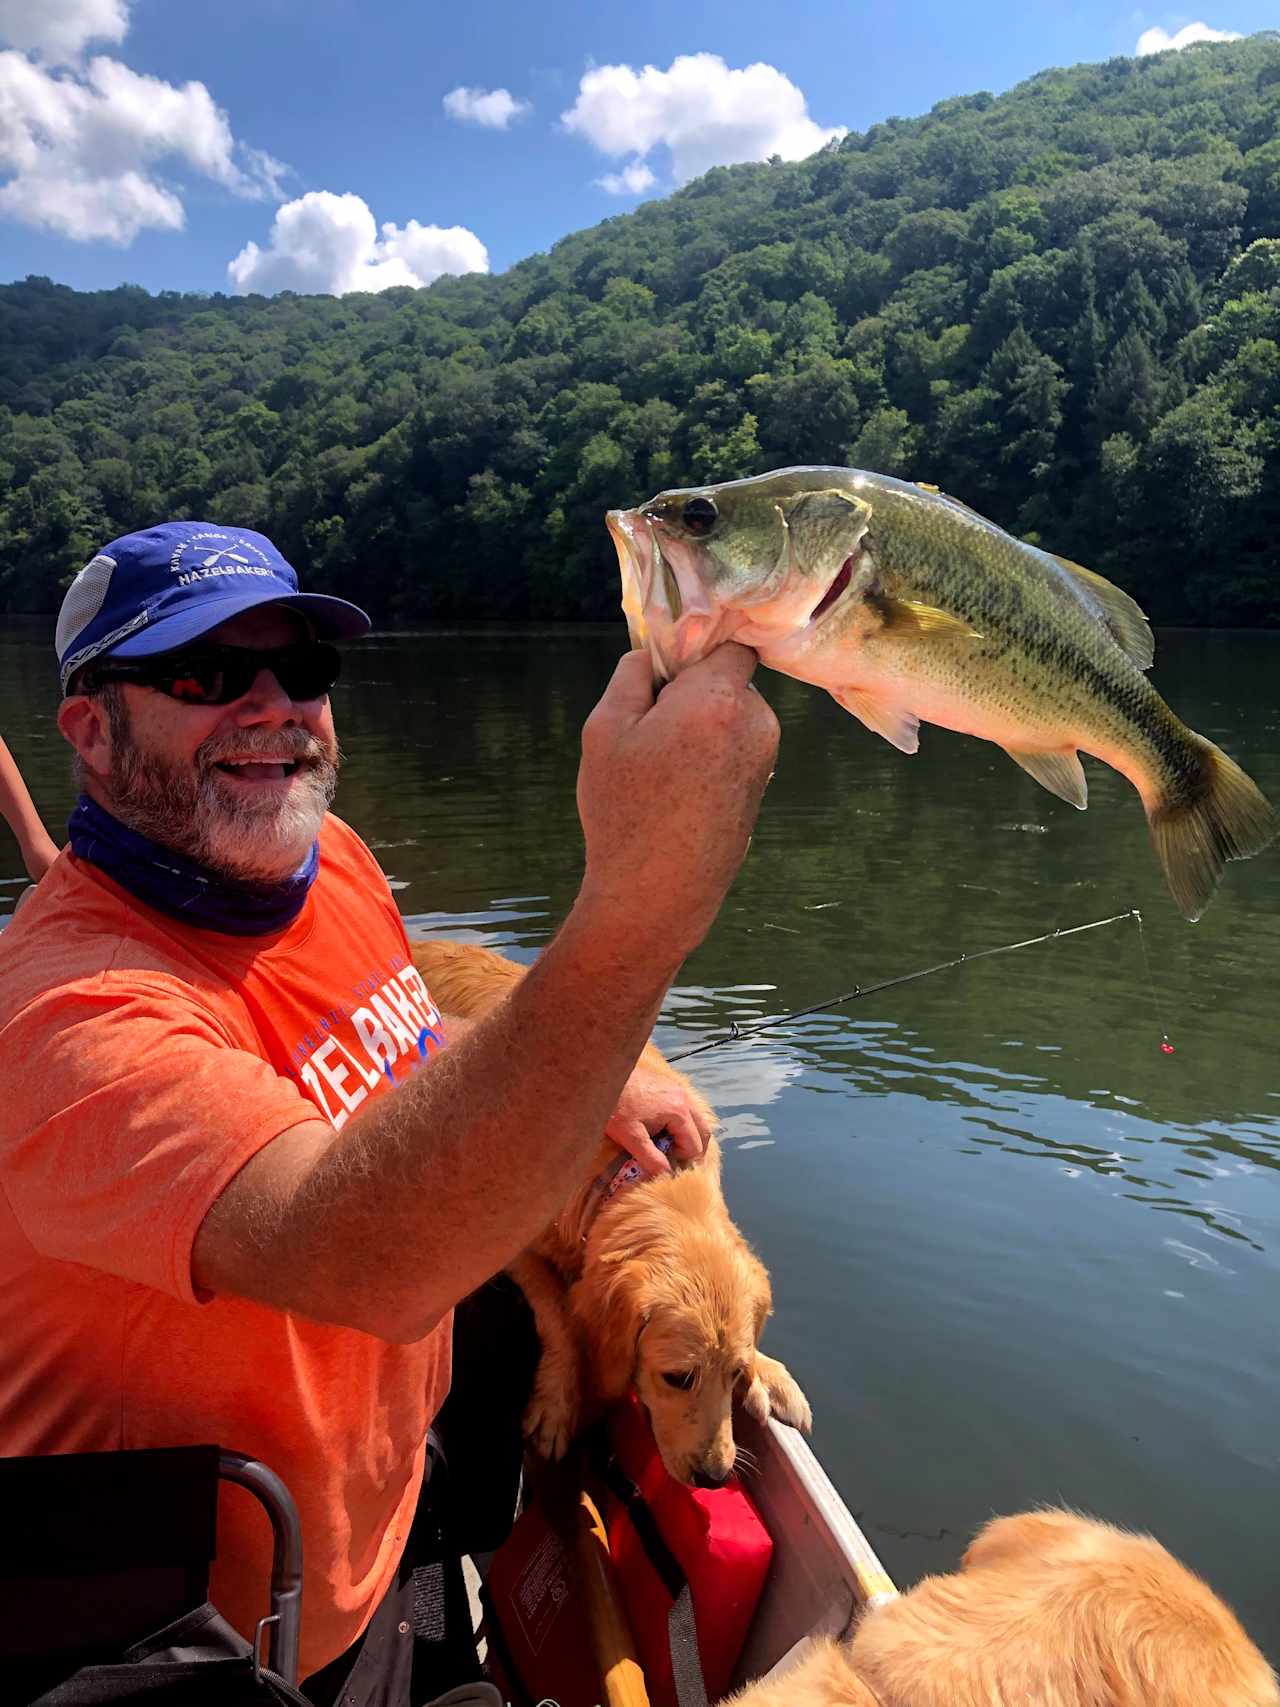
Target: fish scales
(1020, 645)
(908, 607)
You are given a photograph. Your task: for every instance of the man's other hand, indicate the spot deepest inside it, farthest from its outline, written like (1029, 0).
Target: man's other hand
(652, 1102)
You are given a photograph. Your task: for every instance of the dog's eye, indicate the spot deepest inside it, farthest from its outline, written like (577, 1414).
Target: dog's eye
(680, 1378)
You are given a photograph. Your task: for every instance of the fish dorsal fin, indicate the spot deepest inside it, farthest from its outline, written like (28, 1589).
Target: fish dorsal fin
(900, 728)
(909, 616)
(937, 492)
(1122, 615)
(1061, 773)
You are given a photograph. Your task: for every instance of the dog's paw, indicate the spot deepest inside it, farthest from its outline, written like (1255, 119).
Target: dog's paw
(755, 1401)
(548, 1430)
(551, 1420)
(784, 1397)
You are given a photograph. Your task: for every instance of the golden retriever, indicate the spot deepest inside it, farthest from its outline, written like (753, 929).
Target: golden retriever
(652, 1287)
(1049, 1609)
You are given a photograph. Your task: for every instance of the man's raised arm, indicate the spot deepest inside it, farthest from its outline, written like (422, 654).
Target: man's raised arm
(386, 1224)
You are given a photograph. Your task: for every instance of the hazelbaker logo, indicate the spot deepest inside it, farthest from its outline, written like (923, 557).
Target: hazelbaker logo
(210, 554)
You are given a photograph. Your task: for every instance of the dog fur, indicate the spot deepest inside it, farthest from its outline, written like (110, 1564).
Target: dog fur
(656, 1290)
(1049, 1609)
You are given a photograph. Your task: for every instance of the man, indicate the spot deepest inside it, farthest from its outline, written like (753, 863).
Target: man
(245, 1184)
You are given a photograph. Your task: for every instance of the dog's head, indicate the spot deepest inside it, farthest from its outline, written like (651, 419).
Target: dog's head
(673, 1303)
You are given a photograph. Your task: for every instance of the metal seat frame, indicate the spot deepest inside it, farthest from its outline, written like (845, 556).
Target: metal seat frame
(286, 1560)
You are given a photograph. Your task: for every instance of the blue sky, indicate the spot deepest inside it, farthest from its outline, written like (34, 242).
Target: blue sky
(156, 141)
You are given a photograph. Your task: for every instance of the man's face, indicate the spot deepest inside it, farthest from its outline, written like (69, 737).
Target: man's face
(241, 788)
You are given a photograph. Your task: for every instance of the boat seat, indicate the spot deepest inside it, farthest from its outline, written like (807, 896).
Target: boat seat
(104, 1571)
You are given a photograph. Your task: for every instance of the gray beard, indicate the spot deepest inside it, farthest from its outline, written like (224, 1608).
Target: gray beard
(196, 811)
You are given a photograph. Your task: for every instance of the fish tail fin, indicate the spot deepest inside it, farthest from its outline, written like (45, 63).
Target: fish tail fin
(1218, 814)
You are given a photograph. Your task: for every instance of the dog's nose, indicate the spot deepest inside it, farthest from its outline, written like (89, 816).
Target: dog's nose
(701, 1479)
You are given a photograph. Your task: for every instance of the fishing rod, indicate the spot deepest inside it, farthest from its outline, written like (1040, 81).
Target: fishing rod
(739, 1033)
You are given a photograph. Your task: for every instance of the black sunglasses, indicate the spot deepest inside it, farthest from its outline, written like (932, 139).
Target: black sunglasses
(216, 675)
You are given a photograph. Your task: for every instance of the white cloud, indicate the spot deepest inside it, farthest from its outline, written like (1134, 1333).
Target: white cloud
(493, 108)
(704, 112)
(56, 30)
(111, 210)
(431, 251)
(262, 168)
(328, 244)
(633, 180)
(1158, 40)
(80, 147)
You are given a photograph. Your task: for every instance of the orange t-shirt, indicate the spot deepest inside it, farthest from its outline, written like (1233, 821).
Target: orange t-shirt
(147, 1061)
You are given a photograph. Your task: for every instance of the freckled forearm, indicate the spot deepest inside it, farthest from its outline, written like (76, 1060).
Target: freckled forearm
(457, 1026)
(431, 1190)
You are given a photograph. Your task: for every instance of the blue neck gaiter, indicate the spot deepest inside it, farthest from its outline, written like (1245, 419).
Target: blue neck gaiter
(175, 885)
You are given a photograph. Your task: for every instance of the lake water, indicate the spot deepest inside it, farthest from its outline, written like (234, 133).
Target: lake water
(1019, 1253)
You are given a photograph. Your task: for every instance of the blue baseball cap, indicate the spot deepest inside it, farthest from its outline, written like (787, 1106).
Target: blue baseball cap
(152, 591)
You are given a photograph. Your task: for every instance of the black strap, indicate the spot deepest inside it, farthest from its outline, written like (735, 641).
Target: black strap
(288, 1694)
(682, 1634)
(686, 1661)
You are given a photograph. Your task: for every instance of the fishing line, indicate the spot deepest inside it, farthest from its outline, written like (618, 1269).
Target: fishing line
(738, 1033)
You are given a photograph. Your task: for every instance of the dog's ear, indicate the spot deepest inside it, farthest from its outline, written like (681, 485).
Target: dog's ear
(760, 1293)
(610, 1304)
(755, 1395)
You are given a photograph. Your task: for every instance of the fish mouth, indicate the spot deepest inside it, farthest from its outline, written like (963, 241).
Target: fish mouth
(624, 525)
(652, 601)
(667, 608)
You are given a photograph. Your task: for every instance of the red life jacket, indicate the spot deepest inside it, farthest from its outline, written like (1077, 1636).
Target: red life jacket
(690, 1562)
(535, 1619)
(665, 1535)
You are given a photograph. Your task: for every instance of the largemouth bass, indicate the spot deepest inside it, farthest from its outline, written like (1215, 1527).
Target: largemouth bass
(910, 608)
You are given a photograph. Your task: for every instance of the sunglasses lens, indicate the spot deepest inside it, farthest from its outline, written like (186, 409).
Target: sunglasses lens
(309, 670)
(217, 675)
(199, 681)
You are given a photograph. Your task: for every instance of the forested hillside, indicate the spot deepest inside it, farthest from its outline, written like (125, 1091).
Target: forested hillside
(1062, 305)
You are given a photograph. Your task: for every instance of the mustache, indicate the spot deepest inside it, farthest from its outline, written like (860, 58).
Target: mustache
(270, 746)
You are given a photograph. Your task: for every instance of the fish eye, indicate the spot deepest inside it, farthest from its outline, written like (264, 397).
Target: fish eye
(700, 515)
(682, 1379)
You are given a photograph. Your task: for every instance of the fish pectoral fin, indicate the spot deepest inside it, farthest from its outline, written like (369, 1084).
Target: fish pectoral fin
(1123, 616)
(909, 616)
(900, 728)
(1060, 772)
